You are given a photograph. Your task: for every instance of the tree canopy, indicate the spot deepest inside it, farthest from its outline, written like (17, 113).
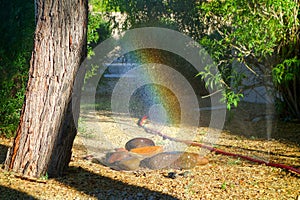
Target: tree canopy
(262, 35)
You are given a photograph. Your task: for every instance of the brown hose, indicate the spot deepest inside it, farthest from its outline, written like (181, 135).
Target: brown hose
(141, 123)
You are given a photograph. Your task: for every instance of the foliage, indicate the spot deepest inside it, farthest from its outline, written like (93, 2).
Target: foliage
(15, 50)
(259, 34)
(184, 16)
(45, 177)
(179, 15)
(98, 31)
(286, 77)
(263, 35)
(98, 6)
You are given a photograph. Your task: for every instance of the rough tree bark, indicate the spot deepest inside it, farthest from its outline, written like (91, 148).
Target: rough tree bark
(46, 130)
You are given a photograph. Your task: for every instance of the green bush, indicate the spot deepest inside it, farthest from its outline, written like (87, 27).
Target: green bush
(16, 42)
(264, 36)
(98, 30)
(15, 50)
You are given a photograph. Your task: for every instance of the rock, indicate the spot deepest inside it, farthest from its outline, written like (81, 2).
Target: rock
(97, 161)
(147, 151)
(173, 160)
(189, 160)
(138, 142)
(120, 149)
(88, 157)
(131, 163)
(159, 161)
(172, 175)
(185, 174)
(116, 156)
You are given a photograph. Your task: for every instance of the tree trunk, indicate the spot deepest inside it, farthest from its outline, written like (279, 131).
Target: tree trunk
(46, 130)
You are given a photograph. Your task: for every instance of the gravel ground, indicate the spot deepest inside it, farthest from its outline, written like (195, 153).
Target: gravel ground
(247, 132)
(223, 178)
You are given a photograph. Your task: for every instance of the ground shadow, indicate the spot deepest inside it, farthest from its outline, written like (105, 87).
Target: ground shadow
(265, 152)
(3, 152)
(256, 121)
(9, 193)
(89, 183)
(103, 187)
(286, 132)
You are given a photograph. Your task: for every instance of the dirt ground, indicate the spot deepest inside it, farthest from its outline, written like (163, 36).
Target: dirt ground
(223, 178)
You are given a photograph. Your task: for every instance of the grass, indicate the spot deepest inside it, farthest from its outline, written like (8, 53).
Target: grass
(234, 161)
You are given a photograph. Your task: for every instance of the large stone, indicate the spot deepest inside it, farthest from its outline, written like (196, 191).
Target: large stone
(128, 164)
(138, 142)
(147, 151)
(116, 156)
(173, 160)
